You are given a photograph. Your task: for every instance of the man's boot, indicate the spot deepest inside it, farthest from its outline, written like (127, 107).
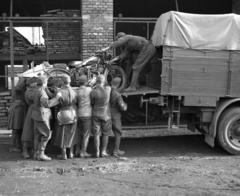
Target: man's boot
(13, 147)
(42, 146)
(134, 82)
(104, 146)
(97, 144)
(25, 150)
(63, 154)
(18, 141)
(12, 142)
(43, 157)
(70, 154)
(77, 150)
(116, 151)
(35, 154)
(83, 153)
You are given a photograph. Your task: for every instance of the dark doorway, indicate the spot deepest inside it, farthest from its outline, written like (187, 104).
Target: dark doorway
(154, 8)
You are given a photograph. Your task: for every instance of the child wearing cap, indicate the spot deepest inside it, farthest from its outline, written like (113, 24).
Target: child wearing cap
(117, 105)
(84, 116)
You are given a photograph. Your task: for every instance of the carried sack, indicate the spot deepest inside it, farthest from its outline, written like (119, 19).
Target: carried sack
(67, 115)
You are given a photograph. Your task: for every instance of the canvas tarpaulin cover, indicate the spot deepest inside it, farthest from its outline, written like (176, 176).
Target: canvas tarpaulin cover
(210, 32)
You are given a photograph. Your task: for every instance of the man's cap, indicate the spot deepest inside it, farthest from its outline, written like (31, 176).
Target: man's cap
(66, 79)
(119, 34)
(82, 79)
(32, 80)
(116, 81)
(28, 81)
(100, 79)
(41, 80)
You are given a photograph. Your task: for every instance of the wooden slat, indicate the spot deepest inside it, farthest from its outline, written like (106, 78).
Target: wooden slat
(212, 84)
(235, 85)
(200, 65)
(220, 92)
(199, 101)
(199, 75)
(197, 53)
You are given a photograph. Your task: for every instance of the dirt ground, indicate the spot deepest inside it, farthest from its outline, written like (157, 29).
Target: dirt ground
(173, 165)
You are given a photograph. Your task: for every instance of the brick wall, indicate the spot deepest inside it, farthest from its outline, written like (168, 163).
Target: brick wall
(236, 6)
(97, 28)
(5, 102)
(63, 37)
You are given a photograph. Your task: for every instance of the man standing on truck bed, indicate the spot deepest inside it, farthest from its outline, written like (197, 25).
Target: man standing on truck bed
(133, 44)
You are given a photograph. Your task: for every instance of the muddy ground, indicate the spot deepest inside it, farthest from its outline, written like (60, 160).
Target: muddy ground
(173, 165)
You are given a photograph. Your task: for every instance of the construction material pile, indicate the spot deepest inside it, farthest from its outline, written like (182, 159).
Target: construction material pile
(21, 45)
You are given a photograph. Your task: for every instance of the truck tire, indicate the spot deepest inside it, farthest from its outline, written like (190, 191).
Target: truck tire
(116, 71)
(228, 134)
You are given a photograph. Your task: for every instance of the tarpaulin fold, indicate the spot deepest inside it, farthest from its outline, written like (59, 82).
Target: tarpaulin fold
(195, 31)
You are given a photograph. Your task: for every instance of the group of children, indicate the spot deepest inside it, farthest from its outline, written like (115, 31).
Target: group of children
(81, 112)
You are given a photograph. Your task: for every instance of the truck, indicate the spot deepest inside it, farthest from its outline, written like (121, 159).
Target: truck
(198, 74)
(194, 80)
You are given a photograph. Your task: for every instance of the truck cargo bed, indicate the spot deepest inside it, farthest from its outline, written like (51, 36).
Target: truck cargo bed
(142, 90)
(189, 72)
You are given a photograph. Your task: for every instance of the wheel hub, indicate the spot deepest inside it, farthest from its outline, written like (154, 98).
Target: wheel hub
(234, 133)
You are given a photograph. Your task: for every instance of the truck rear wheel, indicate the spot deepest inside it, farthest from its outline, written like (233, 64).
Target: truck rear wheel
(228, 134)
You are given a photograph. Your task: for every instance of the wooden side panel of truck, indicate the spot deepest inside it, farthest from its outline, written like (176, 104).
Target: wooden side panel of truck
(202, 75)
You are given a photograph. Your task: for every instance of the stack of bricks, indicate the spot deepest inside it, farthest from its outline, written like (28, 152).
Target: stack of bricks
(97, 27)
(61, 36)
(5, 103)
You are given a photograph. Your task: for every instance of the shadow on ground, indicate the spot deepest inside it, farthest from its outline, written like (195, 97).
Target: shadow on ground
(169, 146)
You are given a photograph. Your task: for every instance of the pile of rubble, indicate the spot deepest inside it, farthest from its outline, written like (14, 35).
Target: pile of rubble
(21, 46)
(61, 36)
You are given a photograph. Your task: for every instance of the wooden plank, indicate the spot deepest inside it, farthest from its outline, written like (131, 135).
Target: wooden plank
(197, 91)
(235, 92)
(235, 85)
(197, 72)
(236, 55)
(235, 76)
(206, 61)
(196, 53)
(199, 83)
(200, 68)
(236, 68)
(204, 76)
(200, 101)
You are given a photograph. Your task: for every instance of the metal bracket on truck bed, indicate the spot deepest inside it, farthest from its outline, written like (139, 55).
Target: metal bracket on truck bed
(141, 91)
